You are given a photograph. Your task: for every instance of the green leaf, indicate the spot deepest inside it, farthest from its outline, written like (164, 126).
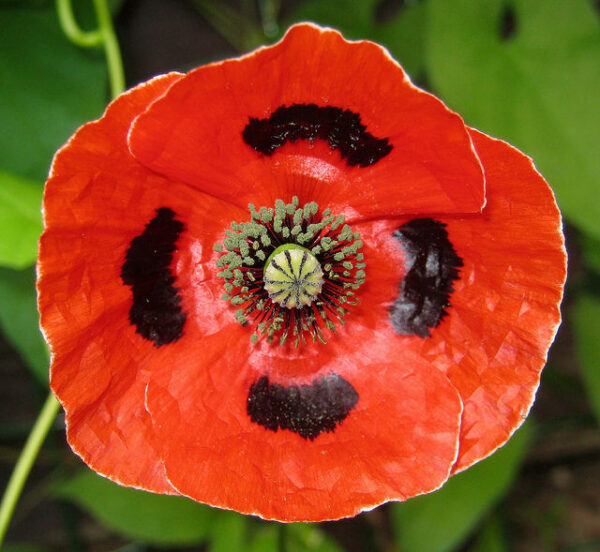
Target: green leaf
(228, 532)
(402, 34)
(591, 252)
(265, 539)
(19, 319)
(20, 220)
(491, 538)
(441, 521)
(307, 537)
(49, 88)
(535, 89)
(157, 519)
(17, 547)
(586, 319)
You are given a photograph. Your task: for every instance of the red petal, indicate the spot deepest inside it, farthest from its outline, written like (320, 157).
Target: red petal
(399, 441)
(97, 199)
(194, 133)
(505, 310)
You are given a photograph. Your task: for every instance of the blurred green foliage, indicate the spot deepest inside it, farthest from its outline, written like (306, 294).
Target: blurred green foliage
(461, 503)
(527, 71)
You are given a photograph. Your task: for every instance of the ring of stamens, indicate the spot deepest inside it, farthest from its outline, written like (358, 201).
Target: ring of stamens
(322, 269)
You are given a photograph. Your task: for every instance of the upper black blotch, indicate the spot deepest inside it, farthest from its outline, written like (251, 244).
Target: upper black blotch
(307, 410)
(156, 311)
(341, 128)
(432, 265)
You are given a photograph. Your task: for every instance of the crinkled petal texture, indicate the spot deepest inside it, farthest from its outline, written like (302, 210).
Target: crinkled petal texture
(134, 205)
(431, 168)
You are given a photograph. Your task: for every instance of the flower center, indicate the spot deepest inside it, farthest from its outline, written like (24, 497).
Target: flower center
(291, 270)
(293, 276)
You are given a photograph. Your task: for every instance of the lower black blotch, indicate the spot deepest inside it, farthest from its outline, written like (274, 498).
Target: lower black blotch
(432, 265)
(307, 410)
(156, 311)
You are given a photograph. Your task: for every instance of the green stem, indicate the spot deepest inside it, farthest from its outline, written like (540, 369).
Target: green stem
(104, 35)
(111, 48)
(25, 462)
(68, 23)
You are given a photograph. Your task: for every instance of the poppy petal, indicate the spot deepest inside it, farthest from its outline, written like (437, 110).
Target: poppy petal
(505, 307)
(399, 440)
(198, 132)
(98, 199)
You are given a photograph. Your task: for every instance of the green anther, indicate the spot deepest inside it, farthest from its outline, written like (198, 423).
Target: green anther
(296, 230)
(360, 274)
(339, 220)
(253, 214)
(348, 265)
(239, 316)
(285, 232)
(261, 255)
(251, 276)
(326, 243)
(298, 217)
(248, 260)
(346, 273)
(226, 297)
(237, 300)
(254, 338)
(316, 250)
(327, 212)
(244, 249)
(255, 245)
(265, 240)
(360, 256)
(339, 256)
(228, 286)
(360, 265)
(266, 215)
(230, 244)
(218, 248)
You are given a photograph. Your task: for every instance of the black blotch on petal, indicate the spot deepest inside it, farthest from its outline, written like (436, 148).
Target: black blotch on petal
(341, 128)
(307, 410)
(432, 265)
(156, 311)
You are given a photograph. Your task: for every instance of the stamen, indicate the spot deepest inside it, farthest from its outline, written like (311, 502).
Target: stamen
(289, 271)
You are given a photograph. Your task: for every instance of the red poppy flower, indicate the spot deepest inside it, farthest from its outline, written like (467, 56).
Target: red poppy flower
(293, 284)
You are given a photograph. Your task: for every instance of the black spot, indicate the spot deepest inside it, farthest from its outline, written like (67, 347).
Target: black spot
(508, 23)
(341, 128)
(156, 312)
(307, 410)
(432, 269)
